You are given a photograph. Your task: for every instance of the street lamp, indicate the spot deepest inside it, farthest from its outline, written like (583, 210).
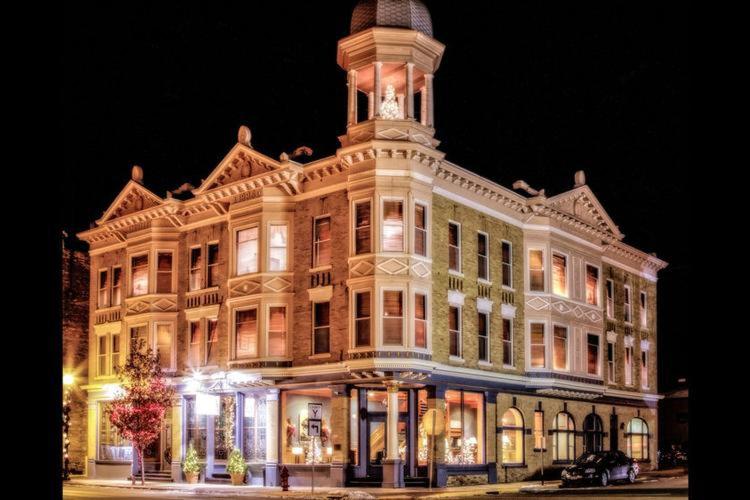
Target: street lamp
(68, 381)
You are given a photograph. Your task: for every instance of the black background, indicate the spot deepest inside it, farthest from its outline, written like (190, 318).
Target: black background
(526, 90)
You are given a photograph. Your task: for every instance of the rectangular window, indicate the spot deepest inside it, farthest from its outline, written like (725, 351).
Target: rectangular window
(628, 366)
(102, 356)
(277, 242)
(321, 327)
(393, 317)
(611, 362)
(592, 285)
(507, 258)
(536, 270)
(628, 306)
(247, 251)
(212, 342)
(644, 369)
(111, 445)
(164, 272)
(560, 348)
(196, 269)
(393, 226)
(454, 247)
(164, 345)
(277, 331)
(362, 223)
(483, 329)
(103, 299)
(420, 320)
(465, 425)
(213, 264)
(139, 274)
(643, 311)
(116, 361)
(362, 319)
(454, 330)
(538, 430)
(420, 230)
(139, 335)
(483, 258)
(196, 339)
(592, 354)
(610, 299)
(246, 333)
(507, 342)
(538, 346)
(116, 286)
(559, 275)
(322, 242)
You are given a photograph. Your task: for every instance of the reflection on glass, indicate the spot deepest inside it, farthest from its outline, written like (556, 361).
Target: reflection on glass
(377, 442)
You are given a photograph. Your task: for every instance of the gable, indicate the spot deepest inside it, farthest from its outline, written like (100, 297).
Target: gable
(134, 197)
(582, 204)
(240, 163)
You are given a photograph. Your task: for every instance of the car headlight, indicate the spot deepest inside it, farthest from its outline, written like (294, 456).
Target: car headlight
(589, 471)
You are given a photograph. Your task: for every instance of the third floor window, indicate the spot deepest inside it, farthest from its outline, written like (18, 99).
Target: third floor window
(362, 223)
(483, 257)
(322, 242)
(139, 274)
(560, 275)
(247, 251)
(393, 226)
(420, 230)
(277, 245)
(454, 247)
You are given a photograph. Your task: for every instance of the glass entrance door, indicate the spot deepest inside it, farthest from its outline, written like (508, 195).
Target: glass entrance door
(377, 432)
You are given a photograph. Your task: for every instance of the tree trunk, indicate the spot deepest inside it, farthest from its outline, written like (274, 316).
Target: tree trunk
(143, 469)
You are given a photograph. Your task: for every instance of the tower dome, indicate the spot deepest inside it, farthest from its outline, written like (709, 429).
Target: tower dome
(409, 14)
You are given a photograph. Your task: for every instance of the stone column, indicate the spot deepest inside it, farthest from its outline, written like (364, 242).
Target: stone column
(393, 476)
(177, 448)
(352, 83)
(410, 91)
(423, 106)
(436, 399)
(401, 110)
(430, 100)
(339, 435)
(272, 437)
(370, 105)
(378, 66)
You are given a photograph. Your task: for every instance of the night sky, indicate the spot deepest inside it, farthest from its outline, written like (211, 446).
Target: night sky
(526, 90)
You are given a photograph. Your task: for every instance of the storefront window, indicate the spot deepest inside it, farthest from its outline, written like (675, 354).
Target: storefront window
(111, 445)
(297, 445)
(563, 442)
(465, 427)
(196, 428)
(254, 429)
(637, 439)
(512, 437)
(224, 428)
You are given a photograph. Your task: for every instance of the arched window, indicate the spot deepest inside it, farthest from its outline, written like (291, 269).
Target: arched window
(512, 437)
(563, 440)
(593, 433)
(637, 439)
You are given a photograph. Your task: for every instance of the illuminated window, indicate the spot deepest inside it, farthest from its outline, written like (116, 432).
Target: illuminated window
(139, 336)
(643, 311)
(628, 366)
(507, 264)
(362, 223)
(464, 427)
(277, 242)
(560, 275)
(116, 286)
(563, 438)
(420, 230)
(512, 437)
(254, 428)
(212, 342)
(393, 317)
(610, 299)
(164, 345)
(644, 369)
(420, 320)
(196, 269)
(454, 330)
(196, 339)
(115, 352)
(611, 362)
(197, 428)
(592, 285)
(164, 272)
(507, 342)
(536, 270)
(362, 319)
(322, 242)
(277, 331)
(246, 333)
(139, 274)
(539, 430)
(538, 346)
(454, 247)
(483, 329)
(103, 298)
(393, 226)
(593, 433)
(102, 357)
(560, 348)
(213, 264)
(628, 306)
(483, 258)
(637, 439)
(112, 446)
(247, 251)
(321, 327)
(592, 366)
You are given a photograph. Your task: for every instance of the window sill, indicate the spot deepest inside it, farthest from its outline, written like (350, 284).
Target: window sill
(487, 364)
(456, 359)
(508, 289)
(484, 281)
(318, 269)
(458, 274)
(510, 367)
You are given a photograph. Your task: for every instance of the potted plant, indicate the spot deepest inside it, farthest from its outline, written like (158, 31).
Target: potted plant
(191, 467)
(236, 467)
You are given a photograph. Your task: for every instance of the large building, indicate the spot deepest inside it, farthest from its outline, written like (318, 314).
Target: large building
(379, 282)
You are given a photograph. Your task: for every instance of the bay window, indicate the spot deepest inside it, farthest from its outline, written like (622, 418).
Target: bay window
(213, 264)
(139, 274)
(277, 331)
(610, 299)
(116, 286)
(628, 306)
(538, 345)
(247, 251)
(637, 439)
(563, 438)
(643, 311)
(246, 333)
(559, 274)
(420, 320)
(628, 365)
(644, 369)
(560, 348)
(592, 366)
(362, 226)
(196, 339)
(362, 319)
(483, 259)
(512, 437)
(321, 327)
(611, 362)
(277, 243)
(592, 285)
(507, 264)
(164, 272)
(464, 427)
(454, 330)
(536, 270)
(139, 336)
(322, 242)
(454, 247)
(420, 230)
(483, 329)
(103, 296)
(212, 342)
(164, 345)
(393, 317)
(196, 269)
(393, 226)
(507, 342)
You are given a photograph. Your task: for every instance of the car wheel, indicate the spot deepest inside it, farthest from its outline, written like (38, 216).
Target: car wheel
(604, 480)
(631, 476)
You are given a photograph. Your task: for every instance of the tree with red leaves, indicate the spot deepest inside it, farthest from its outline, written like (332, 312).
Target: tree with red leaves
(138, 411)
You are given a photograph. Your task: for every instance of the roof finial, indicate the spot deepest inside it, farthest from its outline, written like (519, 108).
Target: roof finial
(136, 173)
(580, 179)
(244, 136)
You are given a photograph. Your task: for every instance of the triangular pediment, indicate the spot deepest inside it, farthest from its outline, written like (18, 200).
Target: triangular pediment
(582, 204)
(240, 163)
(134, 197)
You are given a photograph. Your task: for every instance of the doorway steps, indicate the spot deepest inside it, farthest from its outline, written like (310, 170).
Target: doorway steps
(158, 476)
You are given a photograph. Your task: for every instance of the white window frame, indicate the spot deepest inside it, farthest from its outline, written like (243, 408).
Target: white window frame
(426, 229)
(267, 330)
(610, 300)
(106, 289)
(567, 347)
(599, 354)
(459, 340)
(235, 250)
(404, 219)
(316, 242)
(545, 343)
(405, 316)
(235, 354)
(287, 259)
(459, 259)
(149, 263)
(567, 272)
(200, 358)
(113, 287)
(426, 320)
(502, 331)
(106, 355)
(172, 273)
(191, 268)
(206, 321)
(544, 268)
(509, 264)
(315, 328)
(173, 339)
(353, 240)
(598, 292)
(207, 283)
(612, 365)
(643, 306)
(488, 319)
(488, 279)
(353, 318)
(627, 298)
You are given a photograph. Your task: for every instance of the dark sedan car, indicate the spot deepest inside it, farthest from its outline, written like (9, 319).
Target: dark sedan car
(600, 468)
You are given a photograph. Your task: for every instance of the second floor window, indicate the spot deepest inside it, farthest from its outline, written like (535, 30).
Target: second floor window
(592, 285)
(164, 345)
(246, 333)
(196, 269)
(420, 320)
(628, 307)
(116, 286)
(393, 317)
(102, 355)
(507, 342)
(247, 251)
(536, 270)
(454, 247)
(420, 230)
(362, 319)
(212, 342)
(164, 272)
(483, 328)
(560, 348)
(644, 369)
(538, 346)
(321, 327)
(454, 330)
(507, 257)
(277, 331)
(643, 311)
(196, 339)
(362, 223)
(322, 242)
(610, 299)
(139, 274)
(483, 258)
(103, 298)
(592, 355)
(560, 275)
(611, 362)
(628, 366)
(393, 226)
(277, 243)
(213, 264)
